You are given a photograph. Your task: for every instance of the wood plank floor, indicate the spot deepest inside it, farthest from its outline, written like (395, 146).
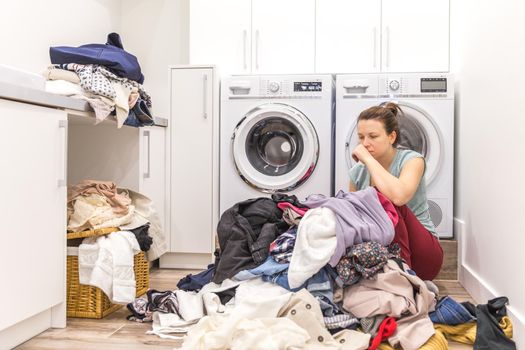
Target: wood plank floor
(115, 332)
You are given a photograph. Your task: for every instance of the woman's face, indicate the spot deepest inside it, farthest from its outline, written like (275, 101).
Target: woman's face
(373, 136)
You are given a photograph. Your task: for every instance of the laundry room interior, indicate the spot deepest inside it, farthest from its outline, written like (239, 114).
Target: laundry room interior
(249, 174)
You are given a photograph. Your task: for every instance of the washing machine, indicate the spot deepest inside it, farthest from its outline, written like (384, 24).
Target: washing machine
(276, 136)
(427, 100)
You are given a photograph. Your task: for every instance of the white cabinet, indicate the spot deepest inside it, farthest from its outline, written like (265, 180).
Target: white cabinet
(253, 36)
(152, 169)
(353, 36)
(415, 35)
(348, 36)
(194, 167)
(220, 33)
(33, 211)
(283, 36)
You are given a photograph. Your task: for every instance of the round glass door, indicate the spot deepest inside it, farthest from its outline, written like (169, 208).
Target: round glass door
(418, 132)
(275, 148)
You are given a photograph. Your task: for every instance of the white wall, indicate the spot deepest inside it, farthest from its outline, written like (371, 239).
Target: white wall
(156, 31)
(488, 57)
(29, 27)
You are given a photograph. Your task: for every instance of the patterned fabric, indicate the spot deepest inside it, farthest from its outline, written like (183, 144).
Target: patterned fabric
(139, 310)
(282, 247)
(365, 260)
(165, 302)
(98, 80)
(340, 321)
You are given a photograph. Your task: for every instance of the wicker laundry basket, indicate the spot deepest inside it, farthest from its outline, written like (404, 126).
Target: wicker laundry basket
(88, 301)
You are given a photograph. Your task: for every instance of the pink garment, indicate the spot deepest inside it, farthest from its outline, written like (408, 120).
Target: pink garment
(389, 208)
(119, 201)
(284, 205)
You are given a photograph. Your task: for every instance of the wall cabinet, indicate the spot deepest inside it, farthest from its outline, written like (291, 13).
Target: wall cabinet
(194, 167)
(382, 36)
(253, 36)
(33, 211)
(321, 36)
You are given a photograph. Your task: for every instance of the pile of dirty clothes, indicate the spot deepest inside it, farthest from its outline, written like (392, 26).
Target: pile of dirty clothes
(315, 274)
(93, 204)
(106, 76)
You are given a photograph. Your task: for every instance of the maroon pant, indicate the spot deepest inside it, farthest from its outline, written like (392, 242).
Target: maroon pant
(419, 248)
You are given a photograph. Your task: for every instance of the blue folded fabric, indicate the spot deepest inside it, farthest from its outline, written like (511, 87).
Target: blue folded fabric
(112, 55)
(450, 312)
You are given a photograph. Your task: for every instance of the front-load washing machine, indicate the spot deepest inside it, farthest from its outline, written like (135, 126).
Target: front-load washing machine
(427, 127)
(276, 136)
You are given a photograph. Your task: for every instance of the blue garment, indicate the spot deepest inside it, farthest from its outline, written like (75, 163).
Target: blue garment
(140, 119)
(269, 271)
(450, 312)
(321, 287)
(196, 282)
(112, 55)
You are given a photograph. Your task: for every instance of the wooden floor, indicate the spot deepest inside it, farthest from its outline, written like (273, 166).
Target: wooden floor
(115, 332)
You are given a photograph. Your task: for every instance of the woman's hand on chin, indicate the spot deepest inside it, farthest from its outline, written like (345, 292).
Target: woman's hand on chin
(361, 154)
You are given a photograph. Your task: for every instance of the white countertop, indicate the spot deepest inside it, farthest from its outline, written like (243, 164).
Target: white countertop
(43, 98)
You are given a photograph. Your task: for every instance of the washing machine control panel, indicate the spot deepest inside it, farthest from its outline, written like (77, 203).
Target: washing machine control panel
(291, 88)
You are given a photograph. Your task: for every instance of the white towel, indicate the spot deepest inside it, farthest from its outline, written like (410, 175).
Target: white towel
(108, 263)
(314, 245)
(125, 246)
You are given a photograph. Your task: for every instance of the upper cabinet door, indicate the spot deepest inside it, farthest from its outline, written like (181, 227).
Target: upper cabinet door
(348, 34)
(415, 35)
(283, 36)
(220, 34)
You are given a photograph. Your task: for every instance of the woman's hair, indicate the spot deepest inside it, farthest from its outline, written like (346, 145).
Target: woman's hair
(387, 113)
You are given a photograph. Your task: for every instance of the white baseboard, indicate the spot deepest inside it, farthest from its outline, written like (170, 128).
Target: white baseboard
(481, 293)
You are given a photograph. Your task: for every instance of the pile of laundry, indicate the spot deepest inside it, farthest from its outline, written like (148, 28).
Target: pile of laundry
(95, 204)
(106, 76)
(316, 274)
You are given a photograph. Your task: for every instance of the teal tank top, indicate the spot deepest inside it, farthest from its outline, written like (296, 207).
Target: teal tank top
(360, 177)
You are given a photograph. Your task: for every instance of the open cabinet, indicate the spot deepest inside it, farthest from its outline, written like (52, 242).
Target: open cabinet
(131, 157)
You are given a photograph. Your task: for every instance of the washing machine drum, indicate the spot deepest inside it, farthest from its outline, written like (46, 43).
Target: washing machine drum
(275, 148)
(419, 133)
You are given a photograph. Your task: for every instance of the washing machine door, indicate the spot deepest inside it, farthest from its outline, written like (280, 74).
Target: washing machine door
(275, 148)
(419, 132)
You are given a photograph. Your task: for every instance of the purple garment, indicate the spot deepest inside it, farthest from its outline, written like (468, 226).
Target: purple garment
(359, 218)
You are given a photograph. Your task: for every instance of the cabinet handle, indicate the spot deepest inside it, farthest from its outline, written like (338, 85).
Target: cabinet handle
(375, 46)
(257, 49)
(147, 174)
(387, 46)
(244, 38)
(204, 96)
(62, 125)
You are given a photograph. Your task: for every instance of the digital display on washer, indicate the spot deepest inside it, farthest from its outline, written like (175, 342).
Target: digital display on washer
(306, 86)
(433, 84)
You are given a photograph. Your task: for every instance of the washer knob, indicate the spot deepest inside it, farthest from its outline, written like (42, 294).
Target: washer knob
(394, 85)
(274, 86)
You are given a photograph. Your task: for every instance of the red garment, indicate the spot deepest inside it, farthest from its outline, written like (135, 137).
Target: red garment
(284, 205)
(386, 329)
(419, 248)
(389, 207)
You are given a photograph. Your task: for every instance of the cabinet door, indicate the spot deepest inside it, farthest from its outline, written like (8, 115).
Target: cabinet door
(220, 34)
(283, 36)
(33, 209)
(192, 175)
(152, 182)
(415, 35)
(348, 36)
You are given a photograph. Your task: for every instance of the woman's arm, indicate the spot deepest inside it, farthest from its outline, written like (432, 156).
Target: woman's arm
(351, 187)
(399, 190)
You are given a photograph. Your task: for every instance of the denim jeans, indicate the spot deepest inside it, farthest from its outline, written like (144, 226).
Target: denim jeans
(450, 312)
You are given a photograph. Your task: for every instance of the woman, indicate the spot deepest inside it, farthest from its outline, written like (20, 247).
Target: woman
(399, 175)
